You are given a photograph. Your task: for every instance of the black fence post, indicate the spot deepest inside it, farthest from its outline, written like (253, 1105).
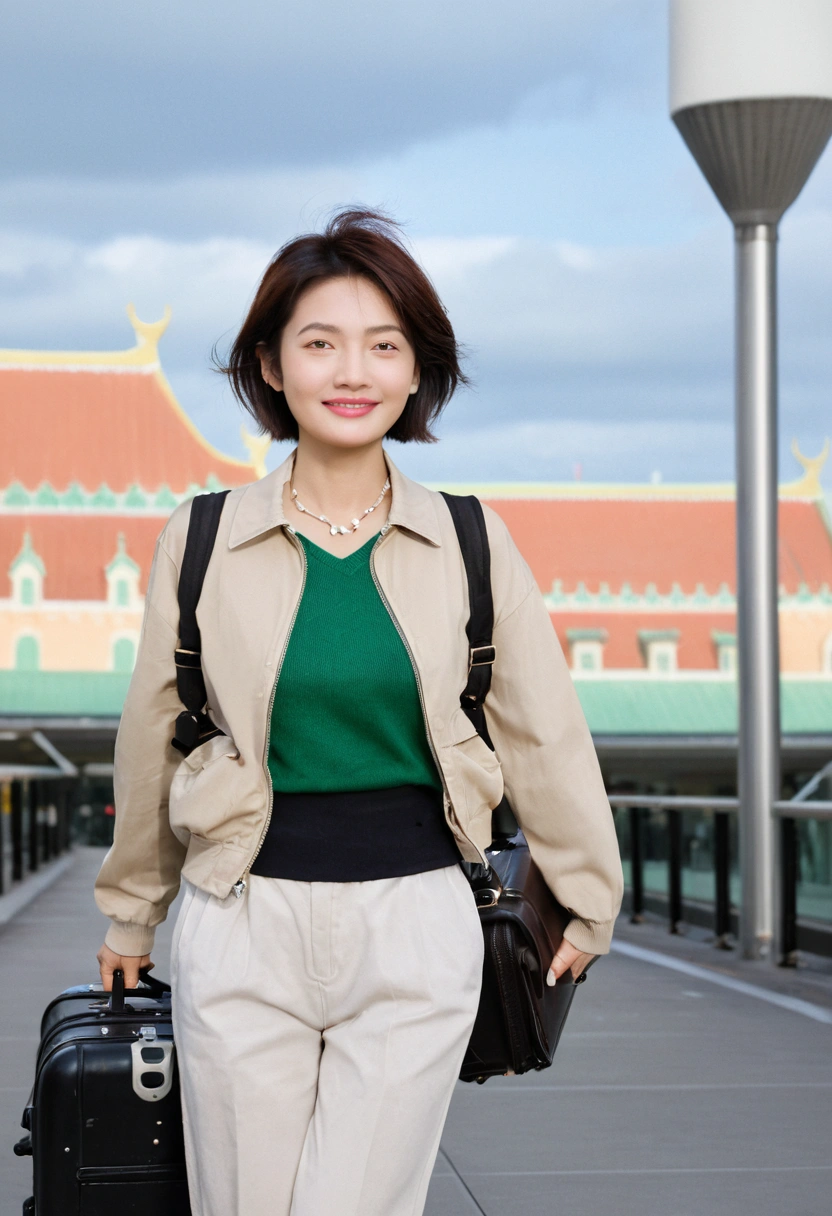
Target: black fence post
(722, 880)
(674, 866)
(34, 826)
(636, 865)
(17, 831)
(788, 892)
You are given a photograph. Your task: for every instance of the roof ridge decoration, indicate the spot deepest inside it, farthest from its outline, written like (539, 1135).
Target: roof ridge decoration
(676, 601)
(807, 486)
(143, 357)
(257, 446)
(77, 499)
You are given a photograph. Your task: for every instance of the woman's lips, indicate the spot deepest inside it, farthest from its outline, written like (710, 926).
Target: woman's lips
(350, 407)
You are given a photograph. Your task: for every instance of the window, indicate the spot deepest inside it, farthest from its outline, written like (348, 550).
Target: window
(587, 656)
(27, 653)
(660, 650)
(122, 575)
(124, 654)
(726, 651)
(27, 573)
(587, 648)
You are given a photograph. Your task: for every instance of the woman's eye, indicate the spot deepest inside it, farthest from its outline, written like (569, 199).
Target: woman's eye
(318, 343)
(385, 346)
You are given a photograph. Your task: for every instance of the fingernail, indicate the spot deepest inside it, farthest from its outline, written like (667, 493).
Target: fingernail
(551, 979)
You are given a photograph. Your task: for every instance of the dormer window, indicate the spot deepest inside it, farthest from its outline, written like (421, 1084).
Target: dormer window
(27, 573)
(726, 650)
(586, 648)
(123, 579)
(660, 650)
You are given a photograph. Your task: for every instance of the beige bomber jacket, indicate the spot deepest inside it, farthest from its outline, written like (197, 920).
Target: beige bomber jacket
(205, 816)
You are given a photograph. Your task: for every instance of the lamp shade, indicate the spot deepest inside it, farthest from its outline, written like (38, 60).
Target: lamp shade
(751, 94)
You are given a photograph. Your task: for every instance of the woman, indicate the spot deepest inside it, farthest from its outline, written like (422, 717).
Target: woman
(327, 957)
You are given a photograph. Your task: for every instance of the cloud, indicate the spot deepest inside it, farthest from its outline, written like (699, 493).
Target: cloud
(163, 87)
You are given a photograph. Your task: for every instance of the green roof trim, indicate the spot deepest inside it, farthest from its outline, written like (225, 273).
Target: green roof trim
(135, 497)
(16, 496)
(165, 497)
(586, 635)
(74, 495)
(103, 497)
(667, 706)
(97, 694)
(46, 496)
(645, 706)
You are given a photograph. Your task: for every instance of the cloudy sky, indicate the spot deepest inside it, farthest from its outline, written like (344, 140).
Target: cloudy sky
(161, 153)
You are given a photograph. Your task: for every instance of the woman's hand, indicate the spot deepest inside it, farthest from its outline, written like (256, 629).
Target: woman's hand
(568, 957)
(109, 962)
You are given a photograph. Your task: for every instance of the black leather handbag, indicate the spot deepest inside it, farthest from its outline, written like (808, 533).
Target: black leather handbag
(520, 1017)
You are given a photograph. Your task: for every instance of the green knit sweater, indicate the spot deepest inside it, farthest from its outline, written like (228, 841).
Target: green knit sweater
(346, 712)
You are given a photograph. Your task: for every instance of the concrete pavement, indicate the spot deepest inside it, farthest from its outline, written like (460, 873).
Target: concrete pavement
(670, 1096)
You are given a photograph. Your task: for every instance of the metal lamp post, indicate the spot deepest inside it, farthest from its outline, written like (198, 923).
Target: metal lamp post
(751, 94)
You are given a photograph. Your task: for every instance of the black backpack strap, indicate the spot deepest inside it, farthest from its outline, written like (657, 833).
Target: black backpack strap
(469, 521)
(193, 726)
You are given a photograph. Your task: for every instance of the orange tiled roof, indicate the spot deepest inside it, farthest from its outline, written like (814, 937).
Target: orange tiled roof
(102, 416)
(661, 541)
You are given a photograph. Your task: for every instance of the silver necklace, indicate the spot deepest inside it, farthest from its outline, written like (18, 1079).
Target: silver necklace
(338, 529)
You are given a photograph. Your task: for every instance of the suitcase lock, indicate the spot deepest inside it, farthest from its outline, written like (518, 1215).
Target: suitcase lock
(152, 1065)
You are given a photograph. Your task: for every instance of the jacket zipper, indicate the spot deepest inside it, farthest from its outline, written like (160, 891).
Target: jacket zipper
(242, 882)
(410, 655)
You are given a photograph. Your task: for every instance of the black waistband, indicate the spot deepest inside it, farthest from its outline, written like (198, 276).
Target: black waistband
(356, 836)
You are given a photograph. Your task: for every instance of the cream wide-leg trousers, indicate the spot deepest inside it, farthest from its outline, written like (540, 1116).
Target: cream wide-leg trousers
(320, 1028)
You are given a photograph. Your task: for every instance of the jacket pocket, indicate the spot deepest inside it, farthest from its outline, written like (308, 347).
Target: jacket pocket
(202, 789)
(472, 770)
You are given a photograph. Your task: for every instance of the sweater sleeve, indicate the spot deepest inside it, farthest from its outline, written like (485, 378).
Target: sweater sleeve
(139, 877)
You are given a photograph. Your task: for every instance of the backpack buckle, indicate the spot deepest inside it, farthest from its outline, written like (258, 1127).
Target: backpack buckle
(481, 656)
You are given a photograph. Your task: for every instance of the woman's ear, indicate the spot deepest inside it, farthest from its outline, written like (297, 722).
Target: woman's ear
(268, 367)
(414, 383)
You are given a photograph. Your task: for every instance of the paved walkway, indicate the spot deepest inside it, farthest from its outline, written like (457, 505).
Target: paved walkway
(671, 1095)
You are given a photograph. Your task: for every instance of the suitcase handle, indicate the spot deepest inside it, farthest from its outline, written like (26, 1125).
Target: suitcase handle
(157, 988)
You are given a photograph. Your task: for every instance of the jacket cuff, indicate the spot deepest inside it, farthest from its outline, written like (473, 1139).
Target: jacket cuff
(132, 940)
(590, 936)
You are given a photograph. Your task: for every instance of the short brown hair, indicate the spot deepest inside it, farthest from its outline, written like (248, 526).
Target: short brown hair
(354, 242)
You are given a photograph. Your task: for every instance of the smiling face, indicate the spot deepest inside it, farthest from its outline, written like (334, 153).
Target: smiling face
(345, 365)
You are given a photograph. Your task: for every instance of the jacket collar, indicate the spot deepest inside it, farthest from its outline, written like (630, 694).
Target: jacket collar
(260, 507)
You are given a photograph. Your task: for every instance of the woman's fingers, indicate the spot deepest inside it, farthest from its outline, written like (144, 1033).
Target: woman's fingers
(109, 962)
(568, 957)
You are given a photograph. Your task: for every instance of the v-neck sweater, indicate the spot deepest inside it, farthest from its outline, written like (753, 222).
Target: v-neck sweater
(346, 714)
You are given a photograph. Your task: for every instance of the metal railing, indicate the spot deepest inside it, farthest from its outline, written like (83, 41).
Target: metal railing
(787, 812)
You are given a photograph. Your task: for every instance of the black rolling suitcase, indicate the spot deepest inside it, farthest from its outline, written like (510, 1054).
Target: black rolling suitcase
(104, 1117)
